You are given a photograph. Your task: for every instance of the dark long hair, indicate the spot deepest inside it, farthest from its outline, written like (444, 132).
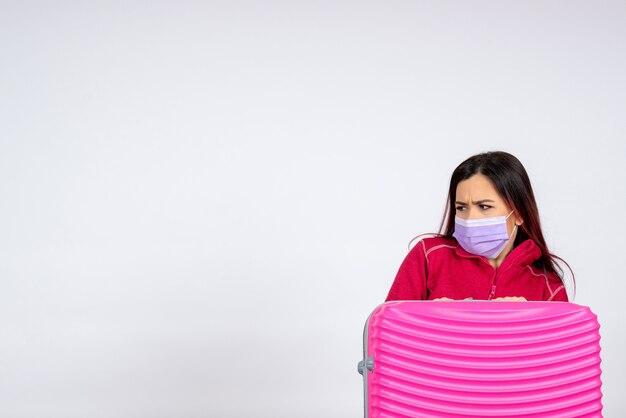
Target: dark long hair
(511, 182)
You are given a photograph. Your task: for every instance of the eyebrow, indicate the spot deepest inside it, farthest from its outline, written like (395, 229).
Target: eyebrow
(478, 202)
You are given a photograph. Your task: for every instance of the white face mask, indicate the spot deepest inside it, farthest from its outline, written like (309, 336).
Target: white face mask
(486, 237)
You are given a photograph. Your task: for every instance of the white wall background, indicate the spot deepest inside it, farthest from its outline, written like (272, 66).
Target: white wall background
(201, 202)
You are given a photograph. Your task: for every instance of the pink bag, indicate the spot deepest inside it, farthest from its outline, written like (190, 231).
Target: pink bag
(481, 359)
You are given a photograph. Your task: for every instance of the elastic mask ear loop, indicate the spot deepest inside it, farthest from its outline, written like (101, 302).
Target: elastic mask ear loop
(515, 227)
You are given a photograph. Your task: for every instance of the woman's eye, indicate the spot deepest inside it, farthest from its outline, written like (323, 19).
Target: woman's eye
(485, 207)
(460, 208)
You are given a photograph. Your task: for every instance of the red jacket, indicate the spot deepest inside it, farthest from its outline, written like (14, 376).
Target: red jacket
(439, 267)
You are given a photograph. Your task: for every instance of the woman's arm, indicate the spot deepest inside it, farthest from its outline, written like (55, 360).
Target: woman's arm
(555, 292)
(410, 281)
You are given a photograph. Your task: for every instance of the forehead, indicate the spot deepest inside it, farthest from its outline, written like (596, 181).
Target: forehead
(477, 187)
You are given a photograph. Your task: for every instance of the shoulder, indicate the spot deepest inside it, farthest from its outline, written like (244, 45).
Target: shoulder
(429, 245)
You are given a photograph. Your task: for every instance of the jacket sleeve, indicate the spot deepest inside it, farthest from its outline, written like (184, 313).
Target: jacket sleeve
(555, 292)
(410, 281)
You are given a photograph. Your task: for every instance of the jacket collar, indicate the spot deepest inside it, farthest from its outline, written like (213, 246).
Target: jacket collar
(527, 252)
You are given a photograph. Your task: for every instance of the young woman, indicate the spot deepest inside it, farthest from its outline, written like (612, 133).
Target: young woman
(491, 248)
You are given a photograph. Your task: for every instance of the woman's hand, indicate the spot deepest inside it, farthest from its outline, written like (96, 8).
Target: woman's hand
(512, 299)
(442, 299)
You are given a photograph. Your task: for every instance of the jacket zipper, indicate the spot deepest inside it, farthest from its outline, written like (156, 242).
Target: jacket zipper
(495, 276)
(493, 286)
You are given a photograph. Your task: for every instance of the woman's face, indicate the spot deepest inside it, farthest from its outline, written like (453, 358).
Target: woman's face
(477, 198)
